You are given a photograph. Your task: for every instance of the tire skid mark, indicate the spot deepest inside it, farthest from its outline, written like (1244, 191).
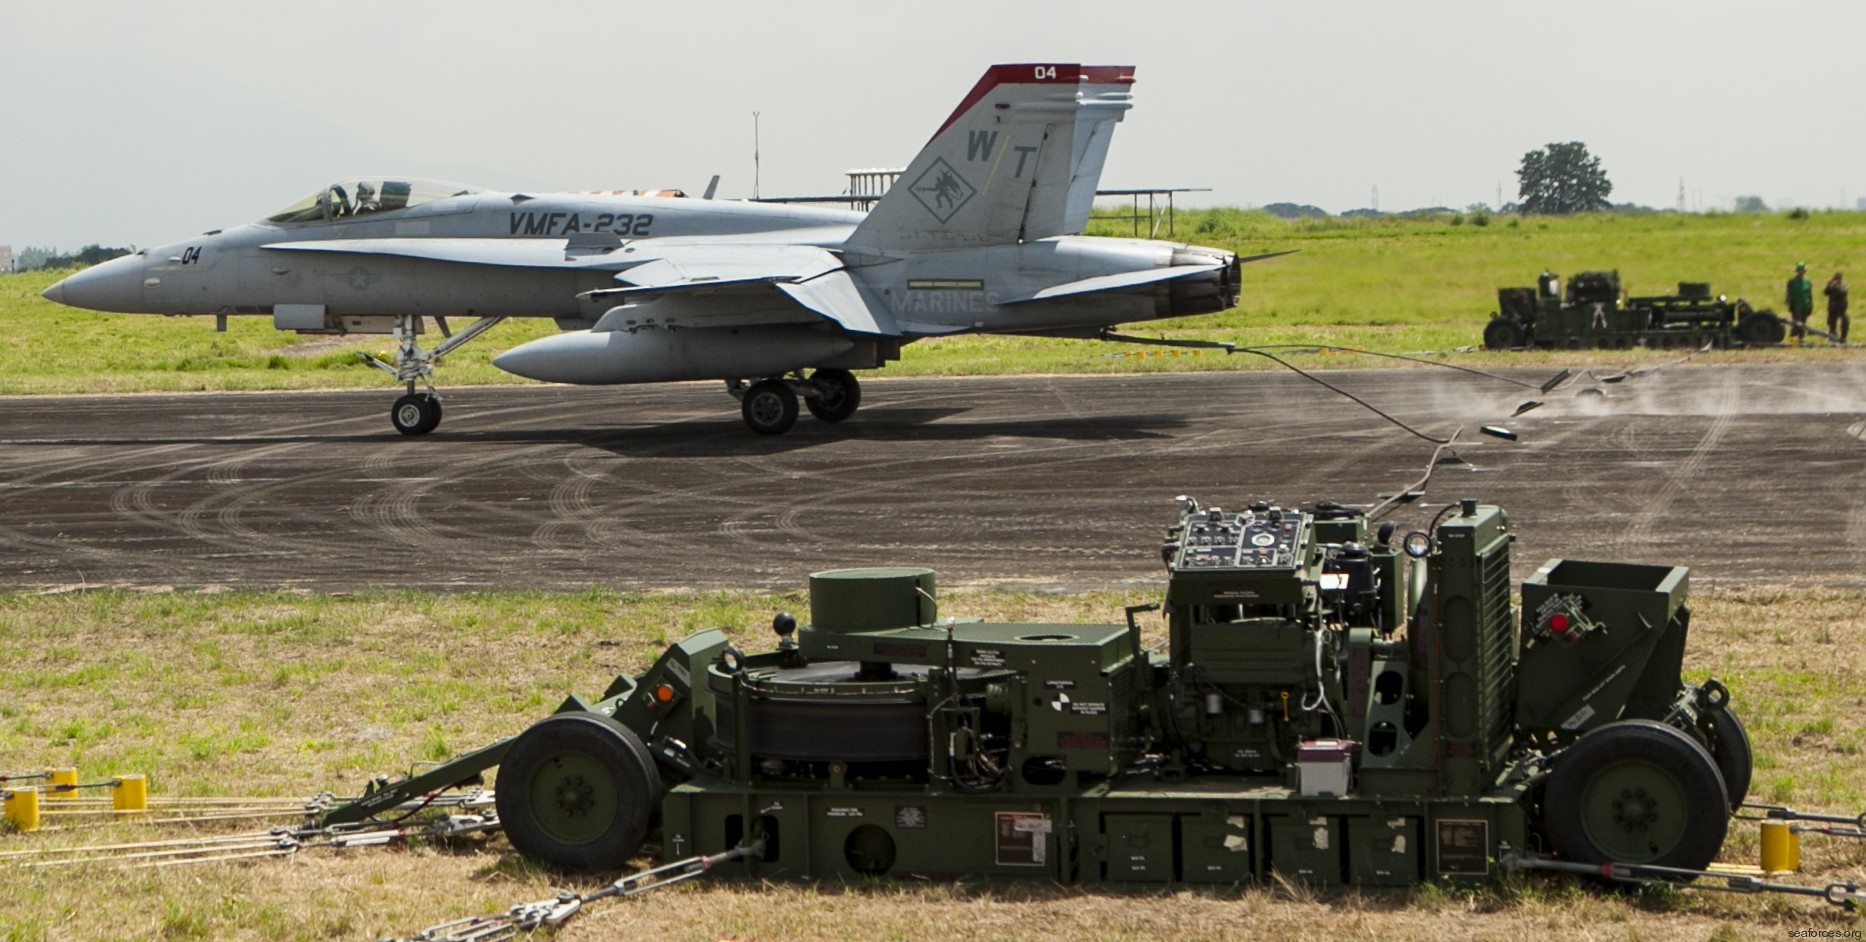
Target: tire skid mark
(1680, 478)
(1066, 486)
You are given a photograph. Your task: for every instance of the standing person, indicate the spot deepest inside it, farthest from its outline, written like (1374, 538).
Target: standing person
(1837, 320)
(1800, 301)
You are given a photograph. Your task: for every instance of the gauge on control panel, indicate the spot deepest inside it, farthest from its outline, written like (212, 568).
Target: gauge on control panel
(1263, 537)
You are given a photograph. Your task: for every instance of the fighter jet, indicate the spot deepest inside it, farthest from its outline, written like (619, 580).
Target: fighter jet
(979, 235)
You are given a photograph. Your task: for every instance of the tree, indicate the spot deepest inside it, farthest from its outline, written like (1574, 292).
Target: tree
(1561, 179)
(93, 254)
(1294, 211)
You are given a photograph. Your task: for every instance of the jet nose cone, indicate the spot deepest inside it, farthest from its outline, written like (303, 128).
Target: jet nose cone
(115, 285)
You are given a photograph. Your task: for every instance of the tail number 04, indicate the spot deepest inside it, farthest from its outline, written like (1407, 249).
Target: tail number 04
(1045, 72)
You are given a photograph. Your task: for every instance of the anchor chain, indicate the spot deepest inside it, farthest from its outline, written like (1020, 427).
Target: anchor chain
(527, 917)
(1845, 895)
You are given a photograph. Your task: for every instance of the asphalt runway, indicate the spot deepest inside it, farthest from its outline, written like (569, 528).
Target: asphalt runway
(1751, 475)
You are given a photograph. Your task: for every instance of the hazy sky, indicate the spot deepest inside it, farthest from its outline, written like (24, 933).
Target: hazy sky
(139, 122)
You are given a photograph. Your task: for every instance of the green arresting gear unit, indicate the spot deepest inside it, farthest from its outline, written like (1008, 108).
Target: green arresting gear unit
(1334, 702)
(1593, 314)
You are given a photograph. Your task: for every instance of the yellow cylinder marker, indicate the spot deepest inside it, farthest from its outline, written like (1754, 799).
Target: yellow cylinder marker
(22, 808)
(64, 784)
(1781, 848)
(131, 793)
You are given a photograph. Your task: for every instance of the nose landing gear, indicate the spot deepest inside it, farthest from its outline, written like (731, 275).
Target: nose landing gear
(420, 413)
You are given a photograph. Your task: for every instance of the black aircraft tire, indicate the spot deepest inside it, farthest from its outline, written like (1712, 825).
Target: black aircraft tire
(416, 414)
(839, 395)
(1731, 750)
(1502, 333)
(769, 407)
(1636, 792)
(578, 791)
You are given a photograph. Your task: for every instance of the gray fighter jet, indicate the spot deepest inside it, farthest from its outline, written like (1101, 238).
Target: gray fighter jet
(979, 235)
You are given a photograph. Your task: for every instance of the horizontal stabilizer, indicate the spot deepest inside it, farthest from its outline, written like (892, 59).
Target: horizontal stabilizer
(1127, 279)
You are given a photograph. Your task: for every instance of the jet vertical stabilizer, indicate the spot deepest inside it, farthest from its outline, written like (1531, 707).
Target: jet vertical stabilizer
(1105, 94)
(1003, 168)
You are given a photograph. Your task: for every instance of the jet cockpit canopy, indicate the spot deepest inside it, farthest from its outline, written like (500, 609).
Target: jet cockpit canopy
(351, 199)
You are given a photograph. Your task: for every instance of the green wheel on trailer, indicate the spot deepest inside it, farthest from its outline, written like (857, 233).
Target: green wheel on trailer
(578, 791)
(1760, 328)
(1636, 792)
(1503, 333)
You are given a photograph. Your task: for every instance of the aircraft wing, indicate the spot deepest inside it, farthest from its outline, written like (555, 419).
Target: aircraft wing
(844, 300)
(681, 268)
(725, 286)
(1128, 279)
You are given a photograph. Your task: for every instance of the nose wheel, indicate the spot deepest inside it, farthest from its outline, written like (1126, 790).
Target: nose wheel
(419, 413)
(416, 413)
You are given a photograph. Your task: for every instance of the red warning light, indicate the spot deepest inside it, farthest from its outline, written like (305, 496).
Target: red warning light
(1558, 623)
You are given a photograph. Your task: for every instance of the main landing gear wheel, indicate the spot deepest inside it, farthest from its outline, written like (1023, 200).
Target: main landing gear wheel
(1637, 792)
(769, 407)
(838, 394)
(416, 413)
(578, 791)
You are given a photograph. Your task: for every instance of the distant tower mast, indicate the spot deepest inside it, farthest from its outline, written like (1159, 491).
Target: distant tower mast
(755, 163)
(1681, 194)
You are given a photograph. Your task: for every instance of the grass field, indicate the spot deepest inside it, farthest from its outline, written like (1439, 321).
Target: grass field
(283, 695)
(286, 694)
(1392, 285)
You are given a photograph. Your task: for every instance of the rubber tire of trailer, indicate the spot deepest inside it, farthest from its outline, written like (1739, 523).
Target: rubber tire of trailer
(1759, 328)
(1636, 792)
(578, 791)
(1731, 750)
(1503, 333)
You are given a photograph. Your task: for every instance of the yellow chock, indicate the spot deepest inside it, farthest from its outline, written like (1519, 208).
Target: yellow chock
(64, 784)
(22, 808)
(130, 793)
(1781, 848)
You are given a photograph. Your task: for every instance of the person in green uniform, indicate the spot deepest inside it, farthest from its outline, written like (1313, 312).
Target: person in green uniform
(1837, 321)
(1800, 301)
